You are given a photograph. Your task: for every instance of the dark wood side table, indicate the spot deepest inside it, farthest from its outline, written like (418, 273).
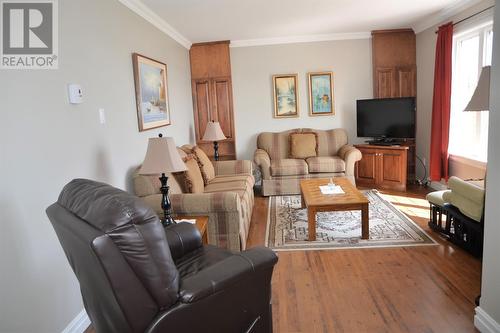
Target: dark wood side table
(201, 224)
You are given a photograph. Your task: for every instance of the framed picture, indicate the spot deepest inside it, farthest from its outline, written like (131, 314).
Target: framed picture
(286, 100)
(151, 95)
(321, 101)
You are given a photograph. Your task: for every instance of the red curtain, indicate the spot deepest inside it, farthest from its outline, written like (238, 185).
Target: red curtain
(441, 104)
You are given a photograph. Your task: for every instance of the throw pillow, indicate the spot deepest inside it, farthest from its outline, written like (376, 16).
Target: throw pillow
(206, 166)
(303, 145)
(192, 176)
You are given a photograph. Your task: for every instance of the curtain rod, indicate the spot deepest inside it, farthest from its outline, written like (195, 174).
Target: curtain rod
(471, 16)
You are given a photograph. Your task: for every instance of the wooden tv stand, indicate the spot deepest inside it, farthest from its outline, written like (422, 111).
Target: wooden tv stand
(382, 167)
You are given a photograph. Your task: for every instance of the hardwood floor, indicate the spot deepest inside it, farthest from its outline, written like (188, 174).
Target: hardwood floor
(408, 289)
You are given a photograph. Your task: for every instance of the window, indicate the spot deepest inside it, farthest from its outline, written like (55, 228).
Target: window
(469, 130)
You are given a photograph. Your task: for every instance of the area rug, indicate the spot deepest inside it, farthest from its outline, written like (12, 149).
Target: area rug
(389, 227)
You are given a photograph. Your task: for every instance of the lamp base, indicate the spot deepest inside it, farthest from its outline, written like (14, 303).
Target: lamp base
(166, 221)
(165, 202)
(216, 150)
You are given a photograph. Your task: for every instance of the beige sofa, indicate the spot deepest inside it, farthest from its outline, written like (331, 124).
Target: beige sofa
(281, 175)
(227, 200)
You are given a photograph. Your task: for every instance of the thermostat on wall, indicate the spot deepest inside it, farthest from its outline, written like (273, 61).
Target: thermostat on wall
(75, 93)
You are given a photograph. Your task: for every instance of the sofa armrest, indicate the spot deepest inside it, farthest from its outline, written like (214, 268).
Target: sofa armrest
(262, 159)
(350, 155)
(226, 273)
(224, 211)
(227, 168)
(466, 189)
(183, 238)
(468, 198)
(197, 203)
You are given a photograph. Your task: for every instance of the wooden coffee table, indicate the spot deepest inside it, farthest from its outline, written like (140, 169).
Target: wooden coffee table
(315, 201)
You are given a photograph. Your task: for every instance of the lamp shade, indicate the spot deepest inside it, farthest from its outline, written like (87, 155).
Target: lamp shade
(213, 132)
(161, 156)
(480, 100)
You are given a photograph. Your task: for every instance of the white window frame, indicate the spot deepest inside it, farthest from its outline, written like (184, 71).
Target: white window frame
(478, 26)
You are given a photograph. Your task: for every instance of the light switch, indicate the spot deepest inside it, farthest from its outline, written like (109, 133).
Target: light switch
(75, 93)
(102, 117)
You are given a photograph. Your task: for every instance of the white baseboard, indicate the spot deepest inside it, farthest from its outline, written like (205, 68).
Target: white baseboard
(79, 324)
(438, 186)
(484, 323)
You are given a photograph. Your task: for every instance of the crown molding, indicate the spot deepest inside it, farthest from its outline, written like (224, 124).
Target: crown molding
(146, 13)
(299, 39)
(444, 14)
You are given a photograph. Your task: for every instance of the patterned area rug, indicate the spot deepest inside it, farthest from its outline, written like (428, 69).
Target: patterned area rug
(389, 227)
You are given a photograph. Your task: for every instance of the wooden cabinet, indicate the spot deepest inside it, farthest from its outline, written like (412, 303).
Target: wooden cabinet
(384, 82)
(213, 101)
(394, 63)
(382, 167)
(213, 94)
(395, 82)
(395, 74)
(406, 81)
(222, 108)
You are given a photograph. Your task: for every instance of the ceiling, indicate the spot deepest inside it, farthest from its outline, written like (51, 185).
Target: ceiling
(241, 20)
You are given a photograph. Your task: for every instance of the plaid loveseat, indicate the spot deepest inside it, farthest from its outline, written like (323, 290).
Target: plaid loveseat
(227, 200)
(281, 174)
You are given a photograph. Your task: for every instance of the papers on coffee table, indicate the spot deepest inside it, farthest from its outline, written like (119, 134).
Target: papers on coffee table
(331, 189)
(192, 221)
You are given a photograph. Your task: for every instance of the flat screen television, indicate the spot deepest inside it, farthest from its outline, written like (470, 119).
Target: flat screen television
(386, 117)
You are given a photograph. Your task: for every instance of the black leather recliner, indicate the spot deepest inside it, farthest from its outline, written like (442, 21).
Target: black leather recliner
(136, 276)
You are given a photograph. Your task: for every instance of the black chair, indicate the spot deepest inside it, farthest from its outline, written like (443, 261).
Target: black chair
(136, 276)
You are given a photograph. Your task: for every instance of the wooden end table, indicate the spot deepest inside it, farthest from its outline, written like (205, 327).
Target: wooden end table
(315, 201)
(201, 224)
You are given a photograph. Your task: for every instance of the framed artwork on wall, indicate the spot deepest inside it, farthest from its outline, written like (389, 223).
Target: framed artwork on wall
(286, 99)
(150, 77)
(321, 102)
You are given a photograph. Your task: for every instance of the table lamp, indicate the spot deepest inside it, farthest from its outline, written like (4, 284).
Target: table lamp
(162, 157)
(214, 133)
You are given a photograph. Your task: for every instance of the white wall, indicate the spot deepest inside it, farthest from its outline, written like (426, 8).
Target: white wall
(45, 142)
(252, 70)
(490, 290)
(426, 49)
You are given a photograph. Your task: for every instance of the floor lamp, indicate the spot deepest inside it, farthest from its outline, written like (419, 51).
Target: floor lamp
(480, 101)
(162, 157)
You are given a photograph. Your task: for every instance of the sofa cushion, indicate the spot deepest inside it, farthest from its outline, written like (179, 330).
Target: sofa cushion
(330, 141)
(289, 167)
(325, 164)
(206, 166)
(242, 177)
(303, 145)
(192, 176)
(235, 185)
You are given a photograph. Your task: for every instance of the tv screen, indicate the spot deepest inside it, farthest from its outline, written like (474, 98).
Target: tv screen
(386, 117)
